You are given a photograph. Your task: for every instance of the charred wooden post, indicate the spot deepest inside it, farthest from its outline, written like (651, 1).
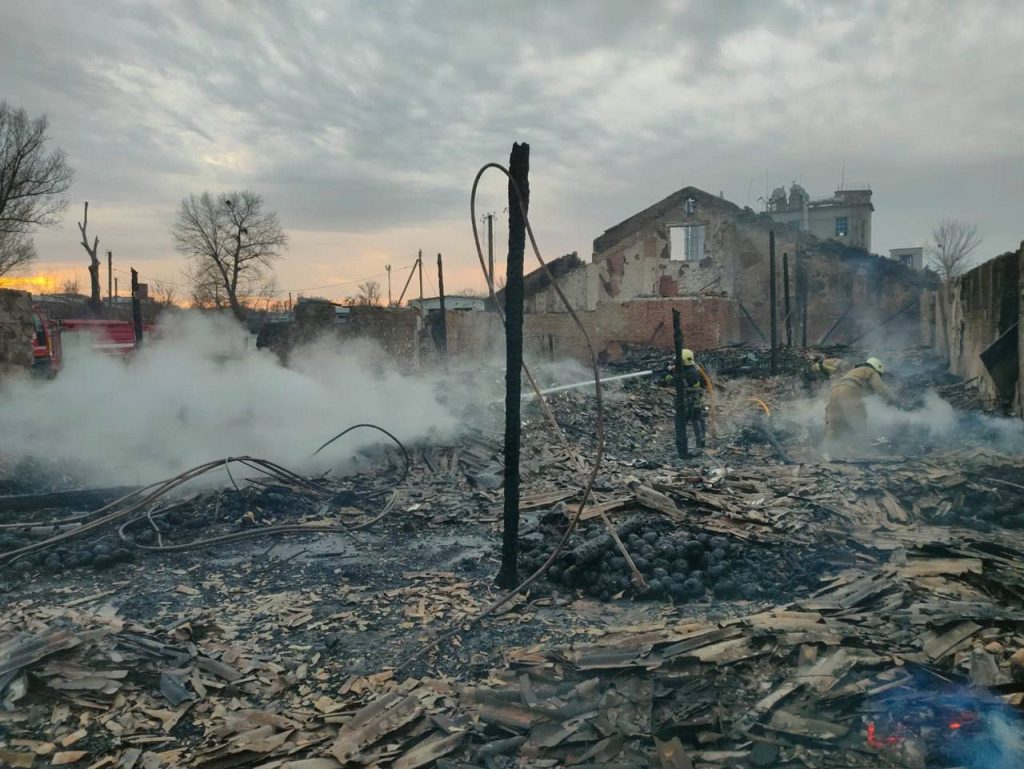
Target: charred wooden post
(490, 248)
(518, 204)
(786, 308)
(773, 305)
(801, 282)
(682, 396)
(136, 309)
(444, 317)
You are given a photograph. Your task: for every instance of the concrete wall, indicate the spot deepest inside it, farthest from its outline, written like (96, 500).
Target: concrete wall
(16, 330)
(984, 304)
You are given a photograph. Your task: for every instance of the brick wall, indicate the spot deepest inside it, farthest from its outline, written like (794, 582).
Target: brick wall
(16, 330)
(708, 322)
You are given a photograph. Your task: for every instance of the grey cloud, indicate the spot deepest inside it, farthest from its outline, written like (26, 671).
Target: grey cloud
(360, 116)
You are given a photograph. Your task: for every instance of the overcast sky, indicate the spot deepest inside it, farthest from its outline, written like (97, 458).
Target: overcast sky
(363, 124)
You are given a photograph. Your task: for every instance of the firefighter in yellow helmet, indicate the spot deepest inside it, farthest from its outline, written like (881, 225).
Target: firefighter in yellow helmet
(821, 370)
(845, 414)
(695, 384)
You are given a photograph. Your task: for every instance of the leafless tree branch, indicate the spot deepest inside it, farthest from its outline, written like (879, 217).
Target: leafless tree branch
(32, 182)
(368, 295)
(954, 243)
(234, 243)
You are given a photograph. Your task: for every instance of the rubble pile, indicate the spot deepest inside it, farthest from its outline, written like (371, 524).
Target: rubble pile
(681, 566)
(908, 664)
(790, 611)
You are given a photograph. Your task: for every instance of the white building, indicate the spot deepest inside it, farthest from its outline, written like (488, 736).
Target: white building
(453, 302)
(845, 217)
(912, 257)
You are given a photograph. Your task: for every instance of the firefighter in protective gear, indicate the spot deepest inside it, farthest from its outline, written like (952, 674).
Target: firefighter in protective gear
(845, 414)
(821, 370)
(695, 384)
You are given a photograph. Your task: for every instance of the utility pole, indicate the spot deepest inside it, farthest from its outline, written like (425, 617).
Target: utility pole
(116, 296)
(110, 275)
(518, 203)
(419, 263)
(444, 318)
(388, 268)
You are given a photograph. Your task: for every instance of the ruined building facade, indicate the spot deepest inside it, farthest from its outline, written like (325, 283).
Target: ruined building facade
(695, 247)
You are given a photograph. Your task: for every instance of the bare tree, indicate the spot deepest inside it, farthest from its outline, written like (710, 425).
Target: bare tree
(163, 293)
(95, 299)
(206, 290)
(15, 251)
(70, 287)
(32, 183)
(954, 243)
(234, 243)
(368, 295)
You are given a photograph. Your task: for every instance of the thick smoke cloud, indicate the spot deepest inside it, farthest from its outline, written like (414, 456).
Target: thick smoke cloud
(201, 391)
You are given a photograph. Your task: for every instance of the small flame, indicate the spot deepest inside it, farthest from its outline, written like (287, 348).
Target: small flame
(875, 742)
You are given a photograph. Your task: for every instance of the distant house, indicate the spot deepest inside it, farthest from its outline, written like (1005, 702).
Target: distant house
(452, 302)
(845, 217)
(912, 257)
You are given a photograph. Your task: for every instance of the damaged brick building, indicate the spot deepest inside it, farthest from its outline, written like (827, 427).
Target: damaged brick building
(705, 254)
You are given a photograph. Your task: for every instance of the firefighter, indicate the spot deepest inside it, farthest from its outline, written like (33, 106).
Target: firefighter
(694, 380)
(821, 370)
(845, 414)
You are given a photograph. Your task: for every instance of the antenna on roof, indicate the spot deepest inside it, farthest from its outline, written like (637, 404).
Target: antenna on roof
(842, 176)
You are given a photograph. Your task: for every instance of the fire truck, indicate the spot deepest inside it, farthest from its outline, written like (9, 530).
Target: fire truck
(111, 337)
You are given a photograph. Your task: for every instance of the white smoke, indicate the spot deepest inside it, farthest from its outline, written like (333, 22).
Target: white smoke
(199, 391)
(936, 422)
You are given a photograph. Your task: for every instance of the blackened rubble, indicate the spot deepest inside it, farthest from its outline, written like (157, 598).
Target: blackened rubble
(819, 613)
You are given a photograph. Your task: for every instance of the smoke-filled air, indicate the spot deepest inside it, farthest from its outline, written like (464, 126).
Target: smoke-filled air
(200, 391)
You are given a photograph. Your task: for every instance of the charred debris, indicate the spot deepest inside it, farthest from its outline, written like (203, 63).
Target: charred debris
(755, 603)
(737, 609)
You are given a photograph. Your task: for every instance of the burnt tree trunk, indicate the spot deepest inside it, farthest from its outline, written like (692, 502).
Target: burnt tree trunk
(95, 297)
(518, 204)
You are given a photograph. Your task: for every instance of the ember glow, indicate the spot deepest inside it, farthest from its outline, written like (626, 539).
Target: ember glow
(877, 742)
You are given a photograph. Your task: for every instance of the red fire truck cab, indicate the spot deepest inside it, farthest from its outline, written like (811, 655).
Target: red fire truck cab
(112, 337)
